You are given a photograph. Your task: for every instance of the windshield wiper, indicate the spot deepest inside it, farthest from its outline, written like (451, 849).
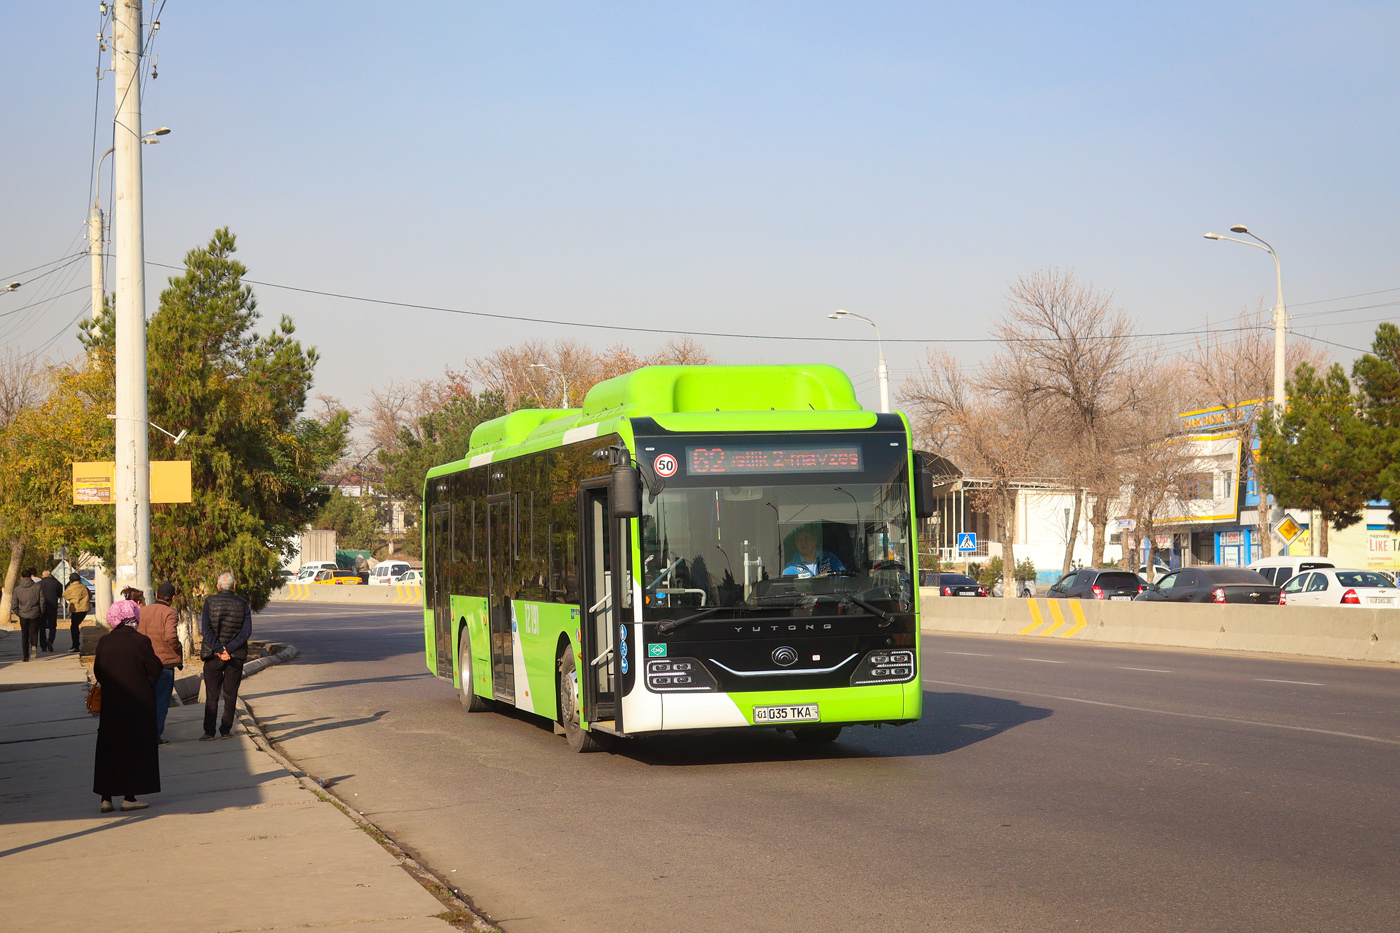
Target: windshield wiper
(873, 610)
(670, 625)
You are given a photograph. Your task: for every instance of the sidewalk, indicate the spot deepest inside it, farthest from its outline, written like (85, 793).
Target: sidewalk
(233, 843)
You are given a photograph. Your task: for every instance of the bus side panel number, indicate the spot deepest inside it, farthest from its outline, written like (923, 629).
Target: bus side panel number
(807, 712)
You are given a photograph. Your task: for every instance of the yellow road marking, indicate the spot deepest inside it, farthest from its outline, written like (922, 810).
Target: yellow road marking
(1079, 620)
(1037, 620)
(1059, 617)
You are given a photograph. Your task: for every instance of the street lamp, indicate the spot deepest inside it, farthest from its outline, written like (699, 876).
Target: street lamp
(563, 379)
(11, 287)
(882, 371)
(1280, 318)
(95, 224)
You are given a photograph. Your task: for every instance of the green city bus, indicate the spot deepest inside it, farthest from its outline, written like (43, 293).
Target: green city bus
(697, 547)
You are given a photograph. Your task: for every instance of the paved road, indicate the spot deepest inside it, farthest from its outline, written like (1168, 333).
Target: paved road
(1049, 787)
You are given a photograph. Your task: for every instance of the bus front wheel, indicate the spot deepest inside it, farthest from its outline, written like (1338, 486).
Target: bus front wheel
(580, 740)
(470, 701)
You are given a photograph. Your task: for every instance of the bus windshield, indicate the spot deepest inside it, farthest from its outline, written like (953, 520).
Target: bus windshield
(780, 544)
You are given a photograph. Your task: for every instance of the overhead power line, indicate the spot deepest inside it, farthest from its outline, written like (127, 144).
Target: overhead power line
(520, 319)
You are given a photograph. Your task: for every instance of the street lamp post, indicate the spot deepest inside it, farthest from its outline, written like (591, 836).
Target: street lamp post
(882, 372)
(563, 379)
(1280, 316)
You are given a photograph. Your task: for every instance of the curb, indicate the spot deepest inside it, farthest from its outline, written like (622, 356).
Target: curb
(257, 664)
(464, 913)
(188, 686)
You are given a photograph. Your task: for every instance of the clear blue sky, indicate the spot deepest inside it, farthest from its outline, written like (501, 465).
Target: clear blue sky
(735, 167)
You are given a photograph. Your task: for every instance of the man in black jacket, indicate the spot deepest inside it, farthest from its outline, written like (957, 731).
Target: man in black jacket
(53, 595)
(29, 606)
(226, 623)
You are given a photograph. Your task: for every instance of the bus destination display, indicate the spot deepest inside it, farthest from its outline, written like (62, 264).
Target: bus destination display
(729, 460)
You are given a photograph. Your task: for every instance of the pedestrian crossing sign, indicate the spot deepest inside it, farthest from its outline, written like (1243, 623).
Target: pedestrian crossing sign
(967, 542)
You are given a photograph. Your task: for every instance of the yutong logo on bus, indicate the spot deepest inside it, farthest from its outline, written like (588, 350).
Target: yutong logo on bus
(784, 656)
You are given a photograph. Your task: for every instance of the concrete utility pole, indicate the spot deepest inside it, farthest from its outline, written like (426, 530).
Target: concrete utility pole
(100, 581)
(133, 462)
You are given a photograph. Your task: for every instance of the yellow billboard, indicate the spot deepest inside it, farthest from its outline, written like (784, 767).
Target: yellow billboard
(93, 482)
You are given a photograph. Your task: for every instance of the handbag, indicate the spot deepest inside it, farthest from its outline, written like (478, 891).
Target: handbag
(94, 699)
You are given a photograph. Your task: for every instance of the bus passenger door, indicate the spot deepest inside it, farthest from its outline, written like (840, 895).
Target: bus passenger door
(499, 521)
(440, 540)
(597, 674)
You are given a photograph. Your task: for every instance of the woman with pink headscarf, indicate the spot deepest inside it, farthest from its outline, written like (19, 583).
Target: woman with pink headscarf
(127, 668)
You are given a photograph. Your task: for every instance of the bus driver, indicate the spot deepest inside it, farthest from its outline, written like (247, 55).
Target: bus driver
(810, 560)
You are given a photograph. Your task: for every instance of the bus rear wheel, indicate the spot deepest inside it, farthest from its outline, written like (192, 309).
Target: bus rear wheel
(470, 701)
(814, 735)
(580, 740)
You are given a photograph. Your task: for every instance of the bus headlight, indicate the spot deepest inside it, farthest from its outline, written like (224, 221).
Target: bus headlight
(884, 666)
(679, 675)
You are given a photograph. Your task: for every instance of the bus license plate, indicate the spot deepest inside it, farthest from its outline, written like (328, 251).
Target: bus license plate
(808, 712)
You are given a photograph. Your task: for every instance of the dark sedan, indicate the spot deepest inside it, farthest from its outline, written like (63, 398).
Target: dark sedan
(1097, 584)
(1213, 585)
(952, 584)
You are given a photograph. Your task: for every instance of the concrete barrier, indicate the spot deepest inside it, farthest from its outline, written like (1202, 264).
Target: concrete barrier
(391, 595)
(1353, 634)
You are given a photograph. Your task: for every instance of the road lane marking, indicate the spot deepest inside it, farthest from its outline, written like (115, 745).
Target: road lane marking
(1036, 620)
(1042, 661)
(1301, 683)
(1147, 670)
(1165, 712)
(1056, 615)
(970, 654)
(1079, 620)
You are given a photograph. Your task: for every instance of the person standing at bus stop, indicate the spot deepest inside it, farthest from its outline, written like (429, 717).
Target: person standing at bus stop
(158, 623)
(53, 595)
(29, 606)
(79, 605)
(225, 624)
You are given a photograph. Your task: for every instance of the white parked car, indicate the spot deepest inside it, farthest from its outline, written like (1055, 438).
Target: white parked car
(308, 570)
(385, 571)
(1329, 586)
(410, 578)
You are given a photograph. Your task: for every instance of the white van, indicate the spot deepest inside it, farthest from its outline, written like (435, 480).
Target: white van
(1279, 570)
(385, 571)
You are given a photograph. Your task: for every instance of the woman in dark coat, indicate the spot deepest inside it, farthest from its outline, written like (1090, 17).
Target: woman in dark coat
(127, 668)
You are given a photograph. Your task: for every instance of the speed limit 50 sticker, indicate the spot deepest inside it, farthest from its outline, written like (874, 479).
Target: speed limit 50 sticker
(665, 465)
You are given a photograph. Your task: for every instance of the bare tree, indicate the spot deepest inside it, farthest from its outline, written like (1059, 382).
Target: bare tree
(1232, 367)
(1160, 469)
(23, 385)
(511, 370)
(1071, 356)
(995, 437)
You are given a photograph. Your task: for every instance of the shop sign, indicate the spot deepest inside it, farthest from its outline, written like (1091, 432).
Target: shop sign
(1231, 538)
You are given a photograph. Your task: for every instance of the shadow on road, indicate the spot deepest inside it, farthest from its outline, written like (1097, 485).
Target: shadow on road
(951, 721)
(280, 731)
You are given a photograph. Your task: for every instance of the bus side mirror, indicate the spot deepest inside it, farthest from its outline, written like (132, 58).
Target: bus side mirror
(923, 494)
(626, 492)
